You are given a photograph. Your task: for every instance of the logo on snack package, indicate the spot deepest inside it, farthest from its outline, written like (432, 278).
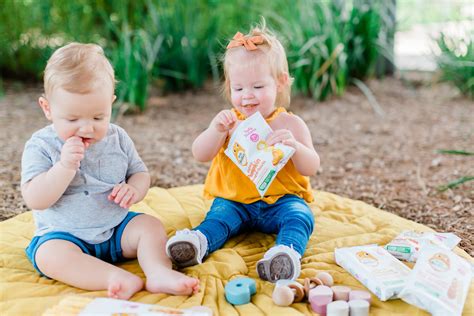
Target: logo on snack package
(240, 154)
(252, 134)
(439, 262)
(366, 258)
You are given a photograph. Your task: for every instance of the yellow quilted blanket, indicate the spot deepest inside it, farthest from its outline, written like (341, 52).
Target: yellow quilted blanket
(340, 222)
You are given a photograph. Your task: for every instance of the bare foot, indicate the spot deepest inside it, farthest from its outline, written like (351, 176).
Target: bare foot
(124, 285)
(166, 280)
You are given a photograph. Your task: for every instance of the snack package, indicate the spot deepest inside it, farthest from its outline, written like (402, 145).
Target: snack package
(439, 282)
(249, 151)
(109, 306)
(406, 246)
(374, 267)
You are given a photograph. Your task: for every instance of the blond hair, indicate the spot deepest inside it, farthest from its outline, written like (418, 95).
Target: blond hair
(273, 51)
(78, 68)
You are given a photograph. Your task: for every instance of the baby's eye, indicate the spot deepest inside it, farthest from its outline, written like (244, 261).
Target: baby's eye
(98, 118)
(72, 120)
(258, 87)
(237, 89)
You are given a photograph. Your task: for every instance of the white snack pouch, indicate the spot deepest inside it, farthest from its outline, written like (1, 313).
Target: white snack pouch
(107, 306)
(439, 282)
(249, 151)
(406, 245)
(374, 267)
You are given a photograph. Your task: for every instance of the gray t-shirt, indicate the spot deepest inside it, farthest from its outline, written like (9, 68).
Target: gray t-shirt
(83, 210)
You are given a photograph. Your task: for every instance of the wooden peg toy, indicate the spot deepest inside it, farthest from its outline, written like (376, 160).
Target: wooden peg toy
(287, 292)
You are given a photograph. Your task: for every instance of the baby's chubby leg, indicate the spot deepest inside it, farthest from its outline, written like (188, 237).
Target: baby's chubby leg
(64, 261)
(145, 238)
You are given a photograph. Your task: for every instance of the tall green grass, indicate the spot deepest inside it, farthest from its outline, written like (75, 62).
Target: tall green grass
(315, 49)
(328, 43)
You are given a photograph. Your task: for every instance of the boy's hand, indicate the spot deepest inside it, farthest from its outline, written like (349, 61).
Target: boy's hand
(283, 136)
(72, 153)
(124, 194)
(224, 121)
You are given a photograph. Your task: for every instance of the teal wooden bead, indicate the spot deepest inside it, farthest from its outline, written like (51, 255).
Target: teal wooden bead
(239, 291)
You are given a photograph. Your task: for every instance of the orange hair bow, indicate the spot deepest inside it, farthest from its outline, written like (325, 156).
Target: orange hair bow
(249, 42)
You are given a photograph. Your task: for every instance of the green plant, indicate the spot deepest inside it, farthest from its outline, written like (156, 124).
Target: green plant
(455, 183)
(361, 34)
(455, 152)
(461, 180)
(2, 92)
(177, 44)
(133, 53)
(315, 49)
(32, 30)
(133, 58)
(456, 61)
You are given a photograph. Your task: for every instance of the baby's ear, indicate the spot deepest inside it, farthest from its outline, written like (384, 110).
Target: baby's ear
(283, 80)
(114, 97)
(44, 104)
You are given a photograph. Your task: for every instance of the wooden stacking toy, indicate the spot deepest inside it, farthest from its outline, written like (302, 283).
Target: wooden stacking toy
(319, 297)
(338, 308)
(287, 292)
(325, 297)
(339, 301)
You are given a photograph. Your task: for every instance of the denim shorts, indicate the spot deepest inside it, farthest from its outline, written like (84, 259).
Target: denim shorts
(109, 250)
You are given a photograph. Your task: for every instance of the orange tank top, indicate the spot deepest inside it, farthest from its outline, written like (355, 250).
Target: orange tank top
(226, 180)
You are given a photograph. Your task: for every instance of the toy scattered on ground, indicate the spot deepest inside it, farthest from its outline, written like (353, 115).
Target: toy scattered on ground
(344, 308)
(338, 301)
(325, 297)
(287, 292)
(240, 290)
(319, 297)
(358, 308)
(341, 293)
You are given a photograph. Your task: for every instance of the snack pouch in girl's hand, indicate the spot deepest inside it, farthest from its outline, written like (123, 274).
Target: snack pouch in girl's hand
(249, 151)
(374, 267)
(439, 282)
(406, 246)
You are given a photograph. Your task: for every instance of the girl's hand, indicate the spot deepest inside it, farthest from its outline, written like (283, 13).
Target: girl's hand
(283, 136)
(124, 194)
(72, 153)
(224, 121)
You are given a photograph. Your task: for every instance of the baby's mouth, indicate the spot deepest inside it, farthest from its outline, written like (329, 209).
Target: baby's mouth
(249, 106)
(87, 141)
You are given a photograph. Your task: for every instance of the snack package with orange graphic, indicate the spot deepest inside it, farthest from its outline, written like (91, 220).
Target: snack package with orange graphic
(406, 246)
(383, 274)
(439, 282)
(249, 151)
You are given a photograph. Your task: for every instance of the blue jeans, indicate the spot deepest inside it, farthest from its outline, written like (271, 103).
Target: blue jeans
(289, 217)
